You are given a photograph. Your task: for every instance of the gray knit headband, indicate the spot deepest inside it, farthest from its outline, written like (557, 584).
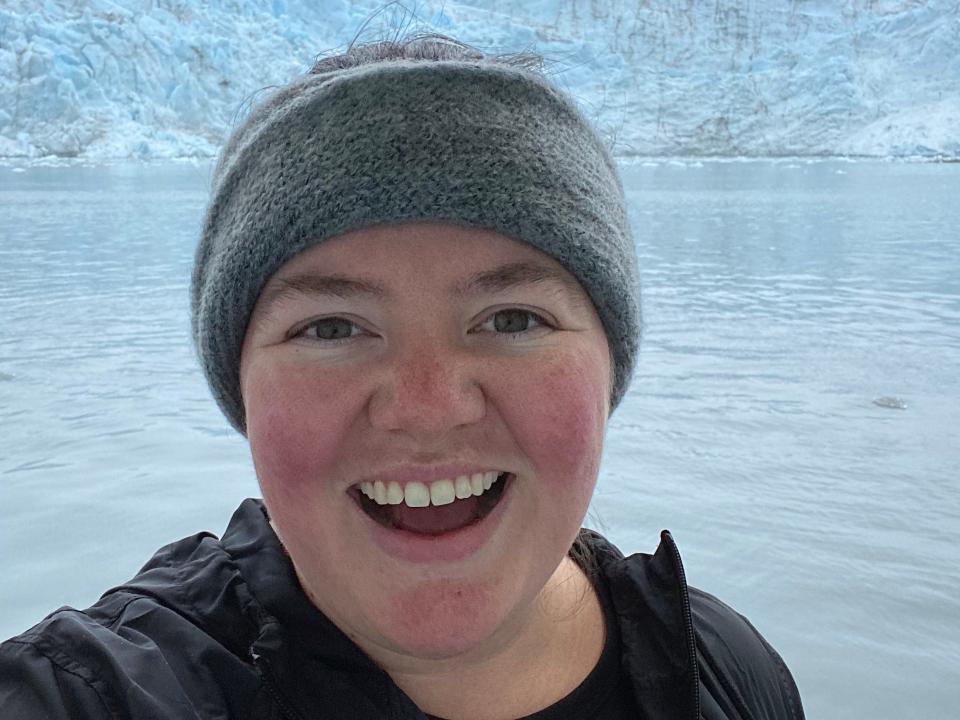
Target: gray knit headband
(474, 143)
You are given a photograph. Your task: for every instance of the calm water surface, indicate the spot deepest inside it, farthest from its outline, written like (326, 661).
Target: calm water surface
(783, 300)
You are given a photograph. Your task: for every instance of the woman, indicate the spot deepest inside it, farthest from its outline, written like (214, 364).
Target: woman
(415, 294)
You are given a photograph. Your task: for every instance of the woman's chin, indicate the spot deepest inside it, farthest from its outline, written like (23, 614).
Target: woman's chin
(442, 621)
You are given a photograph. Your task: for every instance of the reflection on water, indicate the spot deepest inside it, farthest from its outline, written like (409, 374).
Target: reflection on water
(793, 418)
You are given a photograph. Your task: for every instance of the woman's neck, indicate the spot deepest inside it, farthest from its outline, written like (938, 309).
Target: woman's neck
(555, 648)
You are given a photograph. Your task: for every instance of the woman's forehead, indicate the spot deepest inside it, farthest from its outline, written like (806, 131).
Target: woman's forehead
(375, 259)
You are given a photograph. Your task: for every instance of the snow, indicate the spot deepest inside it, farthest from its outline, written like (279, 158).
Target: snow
(152, 79)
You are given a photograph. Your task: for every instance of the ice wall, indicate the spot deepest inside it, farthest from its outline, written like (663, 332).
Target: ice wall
(167, 78)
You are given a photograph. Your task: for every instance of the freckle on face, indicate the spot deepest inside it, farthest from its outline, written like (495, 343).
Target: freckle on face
(562, 416)
(285, 442)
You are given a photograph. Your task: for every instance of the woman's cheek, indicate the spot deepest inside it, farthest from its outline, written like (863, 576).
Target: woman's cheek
(558, 416)
(296, 424)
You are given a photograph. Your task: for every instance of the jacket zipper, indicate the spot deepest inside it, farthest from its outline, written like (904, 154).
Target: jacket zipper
(688, 625)
(263, 668)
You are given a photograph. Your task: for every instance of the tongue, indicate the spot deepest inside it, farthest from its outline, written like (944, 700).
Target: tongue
(435, 519)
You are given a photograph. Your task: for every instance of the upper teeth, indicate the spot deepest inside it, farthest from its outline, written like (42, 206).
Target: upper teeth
(440, 492)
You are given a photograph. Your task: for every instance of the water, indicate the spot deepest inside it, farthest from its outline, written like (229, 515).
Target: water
(794, 418)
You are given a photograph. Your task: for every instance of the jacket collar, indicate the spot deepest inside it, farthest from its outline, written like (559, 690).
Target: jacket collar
(296, 643)
(652, 609)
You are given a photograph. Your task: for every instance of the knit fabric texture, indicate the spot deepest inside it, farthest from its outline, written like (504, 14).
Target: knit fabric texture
(473, 143)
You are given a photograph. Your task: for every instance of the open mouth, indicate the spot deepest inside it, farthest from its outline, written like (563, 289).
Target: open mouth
(435, 508)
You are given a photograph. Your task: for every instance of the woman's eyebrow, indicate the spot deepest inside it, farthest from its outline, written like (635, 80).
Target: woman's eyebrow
(316, 284)
(511, 275)
(498, 279)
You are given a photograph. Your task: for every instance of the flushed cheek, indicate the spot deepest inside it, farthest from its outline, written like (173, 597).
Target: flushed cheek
(296, 425)
(558, 416)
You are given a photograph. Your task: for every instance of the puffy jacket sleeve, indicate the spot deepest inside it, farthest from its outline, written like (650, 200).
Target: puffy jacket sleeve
(741, 675)
(34, 684)
(106, 662)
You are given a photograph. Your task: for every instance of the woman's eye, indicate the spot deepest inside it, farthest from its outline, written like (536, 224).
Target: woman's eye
(332, 328)
(512, 321)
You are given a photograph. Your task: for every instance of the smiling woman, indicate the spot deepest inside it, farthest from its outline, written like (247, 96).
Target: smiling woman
(426, 394)
(416, 296)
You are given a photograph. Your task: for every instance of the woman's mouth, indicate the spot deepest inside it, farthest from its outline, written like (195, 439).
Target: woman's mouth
(434, 508)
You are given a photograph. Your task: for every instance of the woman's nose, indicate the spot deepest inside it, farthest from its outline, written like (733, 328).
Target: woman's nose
(427, 391)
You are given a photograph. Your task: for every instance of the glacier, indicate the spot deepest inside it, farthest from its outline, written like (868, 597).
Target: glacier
(156, 79)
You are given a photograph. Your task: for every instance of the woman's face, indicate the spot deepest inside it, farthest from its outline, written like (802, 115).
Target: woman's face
(423, 356)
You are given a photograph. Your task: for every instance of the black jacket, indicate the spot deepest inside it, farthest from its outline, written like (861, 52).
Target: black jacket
(219, 629)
